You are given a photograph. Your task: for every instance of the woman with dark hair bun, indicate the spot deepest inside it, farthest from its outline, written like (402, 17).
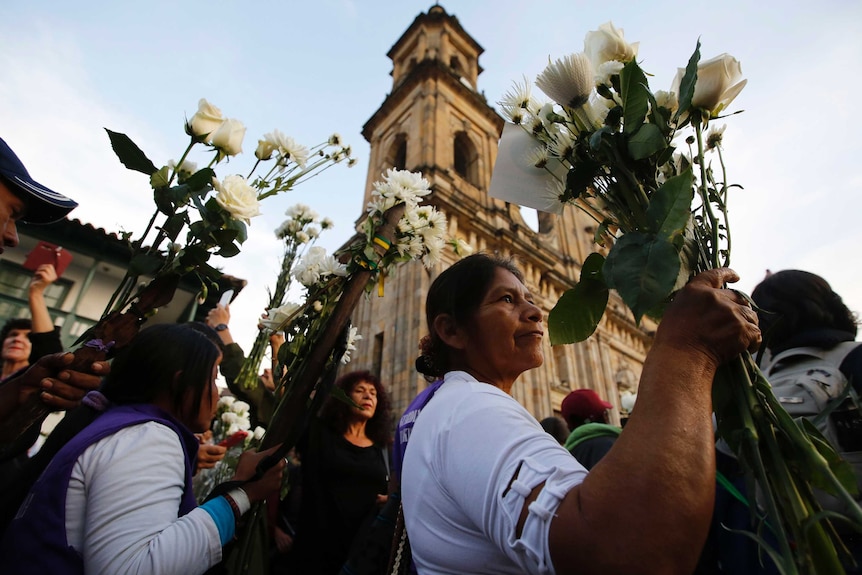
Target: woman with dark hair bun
(486, 490)
(117, 497)
(344, 473)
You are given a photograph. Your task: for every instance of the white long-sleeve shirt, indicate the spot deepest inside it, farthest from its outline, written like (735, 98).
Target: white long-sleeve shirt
(122, 504)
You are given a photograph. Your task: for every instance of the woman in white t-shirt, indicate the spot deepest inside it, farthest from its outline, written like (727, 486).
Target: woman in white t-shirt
(486, 490)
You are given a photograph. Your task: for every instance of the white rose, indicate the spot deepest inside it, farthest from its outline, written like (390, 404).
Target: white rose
(206, 120)
(264, 150)
(228, 137)
(719, 81)
(607, 43)
(258, 433)
(237, 197)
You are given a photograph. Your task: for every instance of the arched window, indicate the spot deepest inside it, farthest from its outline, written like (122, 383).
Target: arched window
(466, 158)
(397, 156)
(455, 64)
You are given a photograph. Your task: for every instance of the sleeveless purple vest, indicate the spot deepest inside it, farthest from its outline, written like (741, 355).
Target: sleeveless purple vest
(35, 541)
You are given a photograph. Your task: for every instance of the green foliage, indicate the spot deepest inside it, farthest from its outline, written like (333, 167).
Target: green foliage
(130, 154)
(643, 269)
(578, 312)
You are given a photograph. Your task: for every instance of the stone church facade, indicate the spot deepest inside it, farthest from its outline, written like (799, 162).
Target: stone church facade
(436, 122)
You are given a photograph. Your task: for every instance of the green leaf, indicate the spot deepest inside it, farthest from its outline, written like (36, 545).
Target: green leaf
(670, 207)
(130, 154)
(579, 311)
(634, 89)
(174, 225)
(643, 268)
(163, 201)
(193, 256)
(646, 142)
(145, 264)
(228, 250)
(201, 180)
(239, 227)
(686, 85)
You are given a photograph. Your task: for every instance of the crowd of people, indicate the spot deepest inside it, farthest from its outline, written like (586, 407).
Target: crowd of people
(483, 486)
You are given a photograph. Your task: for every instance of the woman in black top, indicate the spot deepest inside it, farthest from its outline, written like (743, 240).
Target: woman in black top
(344, 474)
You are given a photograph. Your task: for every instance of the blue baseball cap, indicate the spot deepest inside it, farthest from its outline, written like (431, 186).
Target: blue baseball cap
(44, 205)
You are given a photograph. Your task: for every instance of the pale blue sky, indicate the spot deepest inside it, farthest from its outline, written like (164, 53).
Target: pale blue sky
(69, 69)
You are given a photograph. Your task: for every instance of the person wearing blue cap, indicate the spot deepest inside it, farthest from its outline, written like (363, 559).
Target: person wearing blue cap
(24, 199)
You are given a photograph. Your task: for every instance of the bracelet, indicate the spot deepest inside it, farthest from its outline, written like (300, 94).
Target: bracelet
(237, 514)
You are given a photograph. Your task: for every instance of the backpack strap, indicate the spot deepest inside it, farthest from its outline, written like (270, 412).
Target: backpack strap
(833, 356)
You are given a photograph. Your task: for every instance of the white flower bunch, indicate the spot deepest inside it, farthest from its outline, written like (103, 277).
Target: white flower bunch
(274, 319)
(317, 265)
(300, 224)
(398, 186)
(232, 415)
(421, 232)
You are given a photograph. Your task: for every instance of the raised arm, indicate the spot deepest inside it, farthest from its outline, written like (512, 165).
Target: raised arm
(645, 508)
(44, 276)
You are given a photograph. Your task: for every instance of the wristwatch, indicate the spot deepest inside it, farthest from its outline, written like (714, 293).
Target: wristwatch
(221, 327)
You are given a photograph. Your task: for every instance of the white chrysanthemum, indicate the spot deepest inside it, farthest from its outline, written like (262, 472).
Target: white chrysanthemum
(240, 407)
(329, 266)
(282, 231)
(434, 246)
(302, 237)
(518, 96)
(562, 145)
(288, 149)
(411, 246)
(326, 224)
(538, 157)
(312, 232)
(714, 137)
(229, 417)
(300, 212)
(568, 81)
(335, 139)
(352, 337)
(513, 114)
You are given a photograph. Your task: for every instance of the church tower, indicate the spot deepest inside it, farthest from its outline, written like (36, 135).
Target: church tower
(436, 122)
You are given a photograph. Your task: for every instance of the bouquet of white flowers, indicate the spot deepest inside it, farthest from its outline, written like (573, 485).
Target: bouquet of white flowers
(636, 161)
(231, 429)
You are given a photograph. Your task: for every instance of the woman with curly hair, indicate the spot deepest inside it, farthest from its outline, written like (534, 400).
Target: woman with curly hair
(344, 473)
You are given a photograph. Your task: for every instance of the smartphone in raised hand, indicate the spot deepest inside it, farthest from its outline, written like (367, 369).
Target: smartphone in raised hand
(226, 297)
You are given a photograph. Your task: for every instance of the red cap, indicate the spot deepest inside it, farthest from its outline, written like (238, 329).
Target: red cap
(584, 404)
